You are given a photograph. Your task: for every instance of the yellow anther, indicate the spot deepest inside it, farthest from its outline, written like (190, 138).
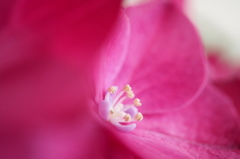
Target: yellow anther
(112, 89)
(137, 102)
(139, 116)
(111, 111)
(127, 88)
(127, 117)
(130, 94)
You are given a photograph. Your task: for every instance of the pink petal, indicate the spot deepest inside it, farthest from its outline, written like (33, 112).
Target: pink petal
(48, 49)
(116, 50)
(165, 62)
(149, 144)
(211, 119)
(231, 89)
(5, 11)
(78, 138)
(42, 90)
(64, 29)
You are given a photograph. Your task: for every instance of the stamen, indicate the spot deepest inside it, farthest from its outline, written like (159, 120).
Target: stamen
(130, 94)
(127, 117)
(117, 109)
(139, 116)
(117, 98)
(137, 102)
(127, 88)
(112, 89)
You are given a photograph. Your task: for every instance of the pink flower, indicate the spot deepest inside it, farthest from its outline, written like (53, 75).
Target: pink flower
(165, 59)
(52, 98)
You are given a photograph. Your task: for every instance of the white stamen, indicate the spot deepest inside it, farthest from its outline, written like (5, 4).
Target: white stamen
(127, 88)
(130, 94)
(112, 89)
(119, 110)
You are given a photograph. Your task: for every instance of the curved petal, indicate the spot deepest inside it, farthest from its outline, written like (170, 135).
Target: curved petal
(116, 50)
(165, 64)
(148, 144)
(211, 119)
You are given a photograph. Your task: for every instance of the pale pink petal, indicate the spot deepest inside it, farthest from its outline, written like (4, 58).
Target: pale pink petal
(211, 119)
(165, 62)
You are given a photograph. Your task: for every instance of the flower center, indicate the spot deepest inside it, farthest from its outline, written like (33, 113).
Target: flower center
(121, 108)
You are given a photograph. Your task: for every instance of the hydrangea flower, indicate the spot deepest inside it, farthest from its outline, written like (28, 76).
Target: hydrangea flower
(193, 124)
(76, 100)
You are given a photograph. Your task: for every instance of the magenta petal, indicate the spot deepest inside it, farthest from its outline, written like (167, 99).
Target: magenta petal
(48, 49)
(165, 64)
(211, 119)
(75, 139)
(63, 29)
(231, 89)
(148, 144)
(115, 50)
(5, 11)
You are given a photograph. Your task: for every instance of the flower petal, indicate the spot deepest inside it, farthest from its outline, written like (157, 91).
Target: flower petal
(48, 49)
(165, 61)
(211, 119)
(82, 138)
(5, 12)
(63, 29)
(116, 50)
(231, 89)
(148, 144)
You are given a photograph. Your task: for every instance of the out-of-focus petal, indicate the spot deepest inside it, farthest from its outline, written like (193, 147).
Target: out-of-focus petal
(6, 7)
(211, 119)
(220, 69)
(41, 90)
(165, 62)
(48, 49)
(80, 137)
(232, 90)
(70, 30)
